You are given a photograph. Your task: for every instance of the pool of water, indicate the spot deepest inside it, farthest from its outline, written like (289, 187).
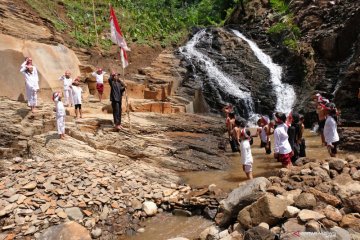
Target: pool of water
(164, 226)
(264, 165)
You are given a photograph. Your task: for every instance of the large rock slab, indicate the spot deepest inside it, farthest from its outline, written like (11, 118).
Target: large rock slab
(268, 209)
(68, 231)
(50, 60)
(240, 198)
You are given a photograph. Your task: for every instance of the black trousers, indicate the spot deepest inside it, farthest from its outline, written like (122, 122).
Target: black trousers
(116, 106)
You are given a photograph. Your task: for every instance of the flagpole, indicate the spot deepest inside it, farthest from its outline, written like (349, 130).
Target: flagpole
(97, 37)
(126, 96)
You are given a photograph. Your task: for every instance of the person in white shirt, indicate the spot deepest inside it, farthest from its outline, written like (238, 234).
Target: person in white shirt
(60, 114)
(99, 75)
(330, 130)
(67, 88)
(31, 82)
(282, 148)
(76, 93)
(243, 137)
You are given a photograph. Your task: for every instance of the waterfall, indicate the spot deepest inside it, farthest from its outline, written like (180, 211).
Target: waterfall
(285, 93)
(215, 74)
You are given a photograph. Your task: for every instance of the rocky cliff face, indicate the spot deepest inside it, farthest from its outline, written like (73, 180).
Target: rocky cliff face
(327, 59)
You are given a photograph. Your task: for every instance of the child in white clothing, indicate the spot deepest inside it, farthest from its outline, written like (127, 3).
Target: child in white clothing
(243, 137)
(67, 88)
(60, 114)
(76, 93)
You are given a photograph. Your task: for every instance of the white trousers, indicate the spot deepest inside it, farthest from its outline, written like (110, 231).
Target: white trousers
(31, 96)
(68, 97)
(60, 123)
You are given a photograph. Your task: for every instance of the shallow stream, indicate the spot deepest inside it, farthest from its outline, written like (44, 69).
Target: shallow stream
(166, 226)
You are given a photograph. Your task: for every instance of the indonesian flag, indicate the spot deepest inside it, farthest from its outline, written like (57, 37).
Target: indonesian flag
(117, 38)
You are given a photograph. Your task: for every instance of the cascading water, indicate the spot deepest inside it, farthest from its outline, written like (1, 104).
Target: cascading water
(284, 92)
(215, 74)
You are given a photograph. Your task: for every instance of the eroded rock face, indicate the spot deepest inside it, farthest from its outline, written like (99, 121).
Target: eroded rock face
(51, 61)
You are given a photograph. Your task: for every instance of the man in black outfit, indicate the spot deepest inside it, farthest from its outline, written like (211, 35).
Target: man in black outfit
(117, 90)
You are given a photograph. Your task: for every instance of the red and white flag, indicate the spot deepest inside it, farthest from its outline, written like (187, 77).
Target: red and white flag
(117, 38)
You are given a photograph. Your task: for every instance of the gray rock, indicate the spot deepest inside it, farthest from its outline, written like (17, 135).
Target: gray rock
(305, 200)
(259, 233)
(240, 198)
(96, 233)
(69, 230)
(341, 233)
(337, 164)
(210, 212)
(74, 213)
(182, 212)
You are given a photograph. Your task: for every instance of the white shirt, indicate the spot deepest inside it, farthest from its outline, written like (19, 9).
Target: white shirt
(281, 142)
(263, 135)
(99, 77)
(76, 91)
(31, 79)
(67, 82)
(246, 156)
(330, 130)
(60, 109)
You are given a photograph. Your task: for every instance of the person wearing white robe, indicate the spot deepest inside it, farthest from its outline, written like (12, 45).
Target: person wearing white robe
(60, 114)
(68, 96)
(77, 91)
(31, 83)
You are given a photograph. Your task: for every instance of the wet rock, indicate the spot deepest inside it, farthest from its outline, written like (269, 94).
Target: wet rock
(305, 200)
(74, 213)
(210, 212)
(240, 198)
(307, 215)
(69, 231)
(149, 208)
(182, 212)
(259, 233)
(268, 209)
(291, 212)
(211, 232)
(96, 233)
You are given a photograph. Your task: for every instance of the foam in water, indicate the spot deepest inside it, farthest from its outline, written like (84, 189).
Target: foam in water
(285, 93)
(224, 81)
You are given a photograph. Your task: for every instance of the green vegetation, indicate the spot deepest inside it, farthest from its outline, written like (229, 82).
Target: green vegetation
(142, 21)
(285, 27)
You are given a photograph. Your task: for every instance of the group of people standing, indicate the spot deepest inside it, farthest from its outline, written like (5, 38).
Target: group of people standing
(287, 131)
(72, 93)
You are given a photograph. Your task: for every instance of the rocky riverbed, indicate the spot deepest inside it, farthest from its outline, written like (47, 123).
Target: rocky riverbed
(106, 181)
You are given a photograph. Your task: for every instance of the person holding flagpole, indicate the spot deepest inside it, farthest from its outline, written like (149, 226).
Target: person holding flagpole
(118, 39)
(117, 89)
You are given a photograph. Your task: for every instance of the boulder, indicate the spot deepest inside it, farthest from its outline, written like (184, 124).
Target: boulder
(337, 164)
(69, 231)
(259, 233)
(312, 226)
(356, 175)
(96, 233)
(332, 213)
(353, 202)
(291, 212)
(211, 232)
(240, 198)
(50, 60)
(346, 187)
(74, 213)
(340, 233)
(264, 225)
(268, 209)
(307, 215)
(325, 197)
(293, 225)
(149, 208)
(351, 221)
(305, 200)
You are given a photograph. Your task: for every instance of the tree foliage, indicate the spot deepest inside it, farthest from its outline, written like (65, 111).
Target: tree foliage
(142, 21)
